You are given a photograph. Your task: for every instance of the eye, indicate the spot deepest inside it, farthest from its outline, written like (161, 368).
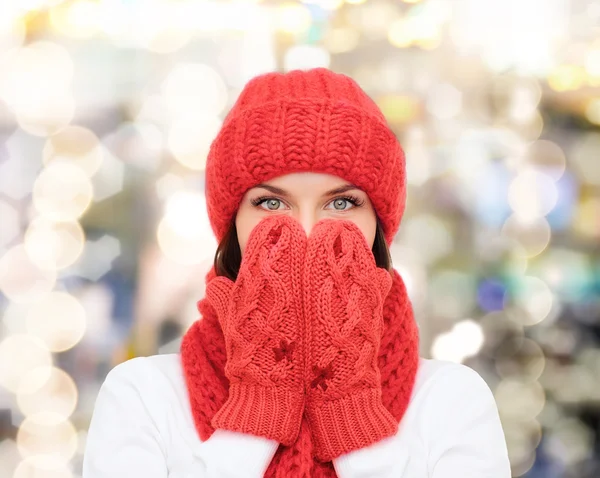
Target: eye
(346, 202)
(268, 203)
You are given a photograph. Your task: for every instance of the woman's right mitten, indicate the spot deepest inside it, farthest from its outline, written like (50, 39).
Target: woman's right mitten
(261, 319)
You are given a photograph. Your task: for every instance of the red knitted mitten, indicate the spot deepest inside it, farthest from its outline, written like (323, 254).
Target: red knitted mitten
(261, 318)
(344, 292)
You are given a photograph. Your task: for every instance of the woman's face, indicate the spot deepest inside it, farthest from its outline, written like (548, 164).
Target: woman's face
(307, 197)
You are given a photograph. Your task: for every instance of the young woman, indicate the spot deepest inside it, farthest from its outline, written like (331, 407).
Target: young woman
(305, 362)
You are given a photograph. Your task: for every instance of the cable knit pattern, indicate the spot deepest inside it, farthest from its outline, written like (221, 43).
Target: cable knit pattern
(318, 121)
(314, 120)
(203, 363)
(260, 315)
(344, 292)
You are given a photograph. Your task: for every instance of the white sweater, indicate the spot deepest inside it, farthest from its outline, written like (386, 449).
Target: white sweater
(142, 426)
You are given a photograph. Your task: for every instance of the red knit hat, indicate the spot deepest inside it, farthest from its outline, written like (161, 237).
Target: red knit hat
(314, 120)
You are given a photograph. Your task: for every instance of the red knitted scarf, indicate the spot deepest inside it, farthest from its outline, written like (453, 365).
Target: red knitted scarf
(203, 359)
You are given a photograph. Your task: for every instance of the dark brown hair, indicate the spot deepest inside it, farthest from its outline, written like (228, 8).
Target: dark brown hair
(229, 256)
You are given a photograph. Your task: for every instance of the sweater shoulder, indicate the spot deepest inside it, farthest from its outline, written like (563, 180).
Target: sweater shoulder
(157, 379)
(137, 370)
(436, 373)
(439, 383)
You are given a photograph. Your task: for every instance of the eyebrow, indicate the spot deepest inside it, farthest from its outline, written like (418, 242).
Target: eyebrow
(283, 192)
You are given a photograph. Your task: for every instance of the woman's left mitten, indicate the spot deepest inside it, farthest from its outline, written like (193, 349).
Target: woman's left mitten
(344, 292)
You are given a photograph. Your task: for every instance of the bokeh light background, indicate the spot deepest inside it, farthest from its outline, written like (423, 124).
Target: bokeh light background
(107, 110)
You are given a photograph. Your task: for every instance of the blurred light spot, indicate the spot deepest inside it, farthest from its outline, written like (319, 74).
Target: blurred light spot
(54, 245)
(463, 341)
(43, 119)
(532, 194)
(303, 57)
(520, 98)
(168, 185)
(373, 19)
(592, 111)
(399, 108)
(13, 318)
(420, 26)
(43, 466)
(521, 462)
(566, 77)
(292, 17)
(533, 300)
(532, 235)
(24, 354)
(355, 2)
(341, 40)
(429, 236)
(9, 457)
(326, 4)
(399, 34)
(547, 157)
(192, 88)
(138, 144)
(162, 28)
(497, 249)
(587, 217)
(21, 280)
(21, 168)
(12, 32)
(452, 294)
(530, 129)
(490, 295)
(98, 257)
(522, 437)
(592, 62)
(519, 399)
(20, 83)
(569, 441)
(413, 272)
(77, 19)
(498, 329)
(520, 357)
(584, 158)
(551, 413)
(420, 168)
(43, 107)
(182, 240)
(58, 319)
(42, 391)
(44, 434)
(444, 101)
(10, 223)
(572, 385)
(76, 145)
(62, 192)
(569, 273)
(190, 139)
(153, 109)
(110, 178)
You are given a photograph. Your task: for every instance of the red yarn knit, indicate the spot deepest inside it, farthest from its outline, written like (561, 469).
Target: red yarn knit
(318, 121)
(261, 318)
(314, 120)
(344, 291)
(203, 358)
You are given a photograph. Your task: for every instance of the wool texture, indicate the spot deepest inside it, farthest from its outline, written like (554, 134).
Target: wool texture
(204, 359)
(260, 316)
(300, 121)
(359, 345)
(343, 291)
